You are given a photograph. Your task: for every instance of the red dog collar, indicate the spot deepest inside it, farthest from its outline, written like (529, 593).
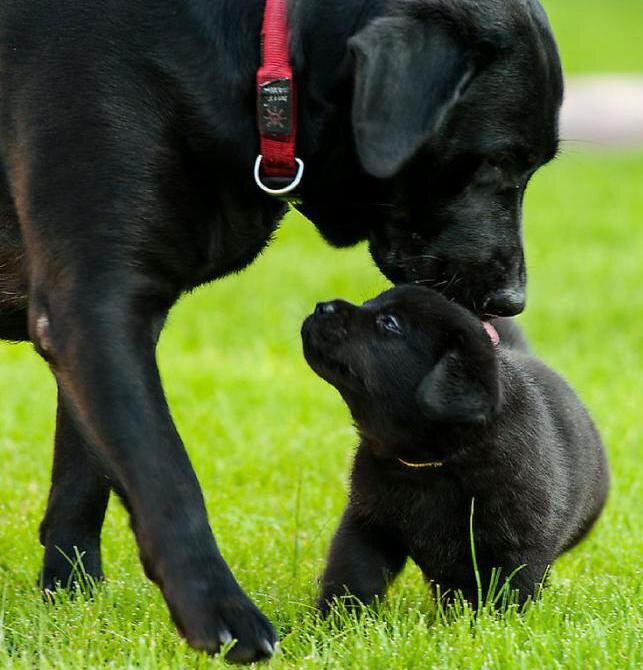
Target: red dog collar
(278, 171)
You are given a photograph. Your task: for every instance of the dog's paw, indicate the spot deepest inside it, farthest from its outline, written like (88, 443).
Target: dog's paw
(332, 604)
(71, 571)
(232, 624)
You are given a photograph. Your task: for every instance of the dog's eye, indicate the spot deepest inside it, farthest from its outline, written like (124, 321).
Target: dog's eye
(389, 323)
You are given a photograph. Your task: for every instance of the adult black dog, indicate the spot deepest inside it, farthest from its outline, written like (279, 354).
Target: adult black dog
(444, 418)
(128, 134)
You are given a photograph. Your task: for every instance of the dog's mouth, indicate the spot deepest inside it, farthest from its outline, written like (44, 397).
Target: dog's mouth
(486, 288)
(491, 332)
(424, 269)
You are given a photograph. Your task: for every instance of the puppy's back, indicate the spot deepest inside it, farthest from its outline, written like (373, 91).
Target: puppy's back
(575, 449)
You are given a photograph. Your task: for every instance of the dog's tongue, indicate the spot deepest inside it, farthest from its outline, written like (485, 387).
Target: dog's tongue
(492, 332)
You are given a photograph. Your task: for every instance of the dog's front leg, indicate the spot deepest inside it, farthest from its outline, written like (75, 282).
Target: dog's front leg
(528, 571)
(363, 560)
(80, 487)
(76, 507)
(100, 341)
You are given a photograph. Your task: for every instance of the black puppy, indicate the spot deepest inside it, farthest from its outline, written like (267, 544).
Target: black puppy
(444, 418)
(128, 136)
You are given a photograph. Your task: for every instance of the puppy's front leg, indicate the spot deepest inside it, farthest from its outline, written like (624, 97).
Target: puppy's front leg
(364, 558)
(529, 570)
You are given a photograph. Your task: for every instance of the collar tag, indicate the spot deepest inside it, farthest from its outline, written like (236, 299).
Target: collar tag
(275, 108)
(278, 172)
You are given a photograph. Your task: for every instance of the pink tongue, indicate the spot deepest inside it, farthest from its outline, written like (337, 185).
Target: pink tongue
(492, 332)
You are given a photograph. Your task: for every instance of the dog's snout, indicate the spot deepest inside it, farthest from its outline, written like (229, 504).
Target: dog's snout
(505, 302)
(324, 308)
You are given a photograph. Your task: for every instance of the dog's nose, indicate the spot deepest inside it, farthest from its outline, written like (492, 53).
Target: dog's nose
(505, 302)
(325, 308)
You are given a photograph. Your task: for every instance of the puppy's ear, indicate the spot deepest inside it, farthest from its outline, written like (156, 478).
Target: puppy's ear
(408, 76)
(460, 389)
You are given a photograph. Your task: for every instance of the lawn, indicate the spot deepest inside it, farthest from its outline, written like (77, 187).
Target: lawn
(272, 445)
(598, 35)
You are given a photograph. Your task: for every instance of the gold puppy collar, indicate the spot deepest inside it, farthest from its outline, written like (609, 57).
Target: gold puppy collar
(432, 464)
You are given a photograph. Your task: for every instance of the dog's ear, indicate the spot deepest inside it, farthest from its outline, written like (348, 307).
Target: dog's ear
(408, 76)
(461, 388)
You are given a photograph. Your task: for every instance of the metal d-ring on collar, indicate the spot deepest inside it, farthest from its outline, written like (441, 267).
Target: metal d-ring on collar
(277, 192)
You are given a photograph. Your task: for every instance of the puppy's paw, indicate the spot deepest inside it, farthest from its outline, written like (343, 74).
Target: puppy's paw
(348, 603)
(231, 620)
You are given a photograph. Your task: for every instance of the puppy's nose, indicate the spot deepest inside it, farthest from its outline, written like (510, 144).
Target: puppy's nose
(505, 302)
(325, 308)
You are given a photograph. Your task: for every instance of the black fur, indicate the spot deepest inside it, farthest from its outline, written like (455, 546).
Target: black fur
(425, 385)
(127, 139)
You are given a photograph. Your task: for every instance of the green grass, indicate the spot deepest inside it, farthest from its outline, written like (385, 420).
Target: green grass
(272, 443)
(597, 35)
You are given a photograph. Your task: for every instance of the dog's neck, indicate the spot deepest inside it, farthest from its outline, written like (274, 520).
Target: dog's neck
(414, 444)
(327, 25)
(418, 440)
(226, 42)
(320, 31)
(323, 68)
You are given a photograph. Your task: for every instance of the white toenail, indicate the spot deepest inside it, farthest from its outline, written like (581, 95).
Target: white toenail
(42, 332)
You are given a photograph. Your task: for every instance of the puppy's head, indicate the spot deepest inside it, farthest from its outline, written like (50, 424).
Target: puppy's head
(407, 358)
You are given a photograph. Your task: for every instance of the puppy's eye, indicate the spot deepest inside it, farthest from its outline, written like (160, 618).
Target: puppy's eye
(389, 323)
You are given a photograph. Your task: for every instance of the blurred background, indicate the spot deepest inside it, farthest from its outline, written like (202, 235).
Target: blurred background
(271, 443)
(601, 47)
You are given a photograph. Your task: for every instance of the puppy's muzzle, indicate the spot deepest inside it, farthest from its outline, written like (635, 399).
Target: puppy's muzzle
(330, 321)
(326, 308)
(326, 328)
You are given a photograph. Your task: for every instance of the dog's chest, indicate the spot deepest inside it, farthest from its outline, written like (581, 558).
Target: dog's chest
(430, 517)
(231, 246)
(229, 236)
(434, 525)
